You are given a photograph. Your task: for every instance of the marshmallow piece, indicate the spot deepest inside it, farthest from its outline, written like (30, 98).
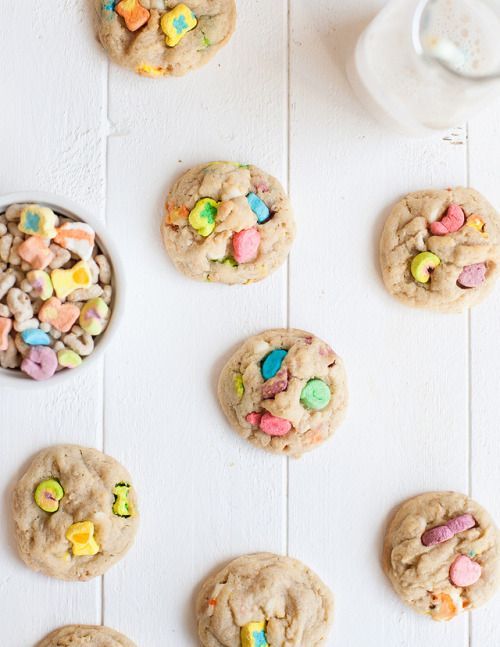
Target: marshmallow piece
(436, 535)
(81, 535)
(254, 418)
(77, 237)
(68, 358)
(38, 221)
(246, 245)
(36, 252)
(94, 316)
(253, 634)
(41, 285)
(5, 328)
(274, 426)
(177, 23)
(259, 207)
(461, 523)
(464, 571)
(271, 363)
(35, 337)
(40, 363)
(453, 220)
(59, 316)
(275, 385)
(472, 276)
(202, 216)
(67, 281)
(134, 14)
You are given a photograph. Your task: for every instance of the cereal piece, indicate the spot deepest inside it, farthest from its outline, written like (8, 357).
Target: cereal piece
(104, 269)
(22, 348)
(35, 337)
(122, 507)
(253, 634)
(461, 523)
(107, 293)
(94, 270)
(13, 229)
(464, 571)
(26, 286)
(48, 494)
(3, 229)
(40, 364)
(7, 281)
(134, 14)
(40, 284)
(14, 258)
(36, 304)
(274, 426)
(275, 385)
(472, 276)
(202, 216)
(452, 221)
(81, 535)
(13, 212)
(246, 245)
(19, 304)
(94, 317)
(38, 221)
(315, 395)
(67, 281)
(92, 292)
(9, 358)
(65, 357)
(5, 245)
(61, 256)
(36, 252)
(177, 23)
(46, 327)
(79, 341)
(4, 311)
(259, 207)
(423, 265)
(19, 326)
(272, 362)
(5, 328)
(77, 237)
(55, 334)
(59, 316)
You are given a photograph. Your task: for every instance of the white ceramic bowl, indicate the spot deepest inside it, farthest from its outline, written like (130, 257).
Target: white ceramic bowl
(15, 378)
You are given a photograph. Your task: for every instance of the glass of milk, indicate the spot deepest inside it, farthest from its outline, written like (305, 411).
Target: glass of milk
(427, 65)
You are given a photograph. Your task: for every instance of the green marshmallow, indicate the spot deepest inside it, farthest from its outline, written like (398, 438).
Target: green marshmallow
(315, 395)
(48, 494)
(121, 505)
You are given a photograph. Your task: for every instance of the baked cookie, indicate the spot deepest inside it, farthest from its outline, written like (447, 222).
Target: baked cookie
(284, 391)
(441, 553)
(264, 599)
(227, 222)
(75, 513)
(85, 636)
(164, 37)
(441, 249)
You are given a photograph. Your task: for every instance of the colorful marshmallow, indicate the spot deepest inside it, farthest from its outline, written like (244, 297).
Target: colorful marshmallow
(259, 207)
(59, 316)
(48, 494)
(133, 13)
(275, 385)
(464, 571)
(94, 316)
(472, 276)
(81, 536)
(439, 534)
(121, 505)
(36, 252)
(67, 281)
(423, 265)
(239, 387)
(452, 221)
(5, 328)
(477, 223)
(40, 363)
(76, 237)
(35, 337)
(38, 221)
(315, 395)
(246, 245)
(41, 285)
(177, 23)
(67, 358)
(269, 424)
(253, 634)
(272, 362)
(202, 216)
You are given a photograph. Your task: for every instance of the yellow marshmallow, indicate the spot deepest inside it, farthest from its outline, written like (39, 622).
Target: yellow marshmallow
(38, 221)
(81, 535)
(176, 24)
(67, 281)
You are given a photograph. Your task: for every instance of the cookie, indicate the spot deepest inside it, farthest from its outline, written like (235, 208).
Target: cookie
(227, 222)
(75, 513)
(441, 249)
(85, 636)
(264, 599)
(163, 37)
(284, 390)
(441, 554)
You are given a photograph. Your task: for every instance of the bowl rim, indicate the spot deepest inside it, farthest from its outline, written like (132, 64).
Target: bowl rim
(15, 378)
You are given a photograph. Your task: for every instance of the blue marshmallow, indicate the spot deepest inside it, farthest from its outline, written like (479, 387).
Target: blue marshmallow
(35, 337)
(259, 207)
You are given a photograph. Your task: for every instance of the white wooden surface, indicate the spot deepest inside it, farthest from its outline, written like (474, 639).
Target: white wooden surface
(424, 387)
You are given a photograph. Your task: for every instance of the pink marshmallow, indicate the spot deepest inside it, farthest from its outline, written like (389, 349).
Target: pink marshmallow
(464, 571)
(438, 229)
(273, 426)
(246, 245)
(461, 523)
(275, 385)
(436, 535)
(452, 221)
(254, 418)
(472, 276)
(40, 364)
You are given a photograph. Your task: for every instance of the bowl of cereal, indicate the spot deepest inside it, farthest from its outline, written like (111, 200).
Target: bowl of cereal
(60, 289)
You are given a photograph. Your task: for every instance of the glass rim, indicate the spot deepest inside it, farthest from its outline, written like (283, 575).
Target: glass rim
(419, 49)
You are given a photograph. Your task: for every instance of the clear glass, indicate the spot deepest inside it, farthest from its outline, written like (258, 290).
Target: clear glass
(427, 65)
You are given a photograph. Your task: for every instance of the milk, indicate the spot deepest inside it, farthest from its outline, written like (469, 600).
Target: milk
(424, 66)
